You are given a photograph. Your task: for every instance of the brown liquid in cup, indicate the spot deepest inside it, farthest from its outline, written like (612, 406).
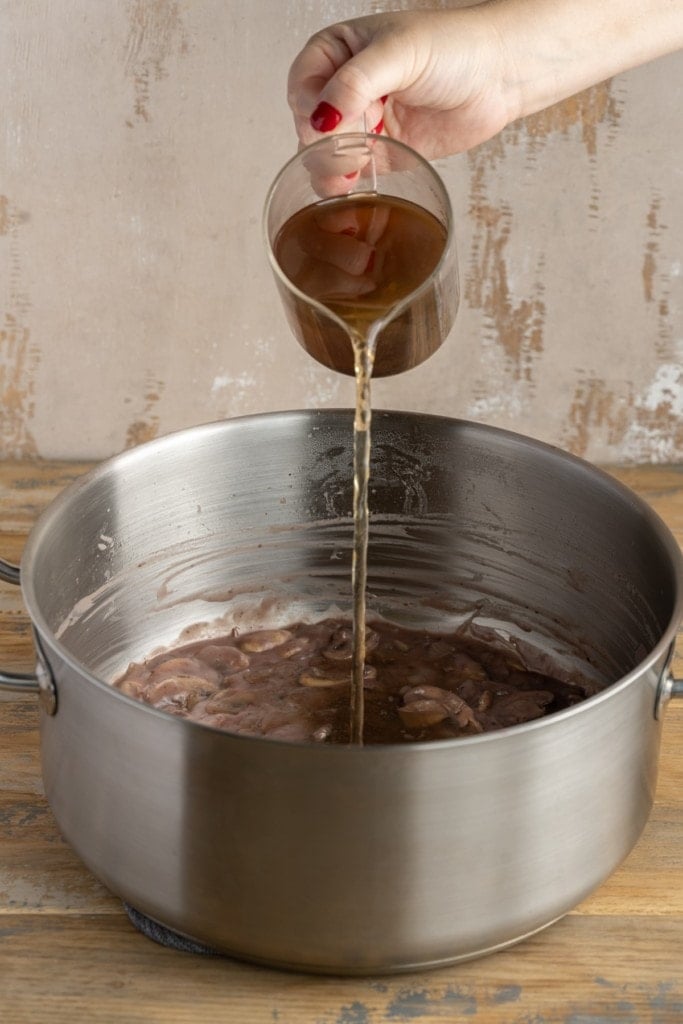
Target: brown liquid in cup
(358, 256)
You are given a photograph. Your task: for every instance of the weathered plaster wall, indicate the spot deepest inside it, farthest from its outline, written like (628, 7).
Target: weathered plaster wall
(138, 141)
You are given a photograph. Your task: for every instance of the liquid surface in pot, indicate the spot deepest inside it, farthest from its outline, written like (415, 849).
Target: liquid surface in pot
(294, 684)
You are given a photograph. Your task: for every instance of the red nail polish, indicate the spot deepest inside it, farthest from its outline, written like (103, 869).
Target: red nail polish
(384, 99)
(352, 175)
(325, 117)
(378, 127)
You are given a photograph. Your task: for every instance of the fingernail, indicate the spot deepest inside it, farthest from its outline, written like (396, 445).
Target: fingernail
(379, 126)
(384, 98)
(353, 175)
(325, 117)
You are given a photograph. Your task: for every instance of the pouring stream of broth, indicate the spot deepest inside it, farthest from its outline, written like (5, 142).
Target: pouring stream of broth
(361, 256)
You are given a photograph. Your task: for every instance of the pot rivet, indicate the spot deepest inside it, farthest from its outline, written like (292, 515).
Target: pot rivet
(47, 694)
(664, 694)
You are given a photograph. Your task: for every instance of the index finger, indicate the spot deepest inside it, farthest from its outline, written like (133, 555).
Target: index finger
(312, 68)
(317, 64)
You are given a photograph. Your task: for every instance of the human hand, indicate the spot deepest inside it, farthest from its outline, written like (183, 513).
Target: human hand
(443, 81)
(431, 79)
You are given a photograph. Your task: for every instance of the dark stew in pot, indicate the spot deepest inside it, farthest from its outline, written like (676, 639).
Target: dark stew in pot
(294, 684)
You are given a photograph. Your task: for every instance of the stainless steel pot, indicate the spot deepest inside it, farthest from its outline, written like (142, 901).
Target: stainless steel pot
(344, 859)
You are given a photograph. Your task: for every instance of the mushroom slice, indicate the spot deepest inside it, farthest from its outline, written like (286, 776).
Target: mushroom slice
(420, 714)
(183, 668)
(265, 640)
(431, 697)
(424, 692)
(340, 647)
(297, 645)
(131, 687)
(321, 677)
(462, 714)
(224, 657)
(462, 667)
(230, 701)
(181, 692)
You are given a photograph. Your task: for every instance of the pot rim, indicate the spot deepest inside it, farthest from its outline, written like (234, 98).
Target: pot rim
(142, 451)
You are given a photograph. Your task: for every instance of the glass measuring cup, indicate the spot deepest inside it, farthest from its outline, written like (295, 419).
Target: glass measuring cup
(359, 233)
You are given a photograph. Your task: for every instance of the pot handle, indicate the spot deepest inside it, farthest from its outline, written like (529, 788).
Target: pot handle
(19, 682)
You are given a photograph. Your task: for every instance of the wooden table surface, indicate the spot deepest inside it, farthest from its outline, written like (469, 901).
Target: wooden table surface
(69, 953)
